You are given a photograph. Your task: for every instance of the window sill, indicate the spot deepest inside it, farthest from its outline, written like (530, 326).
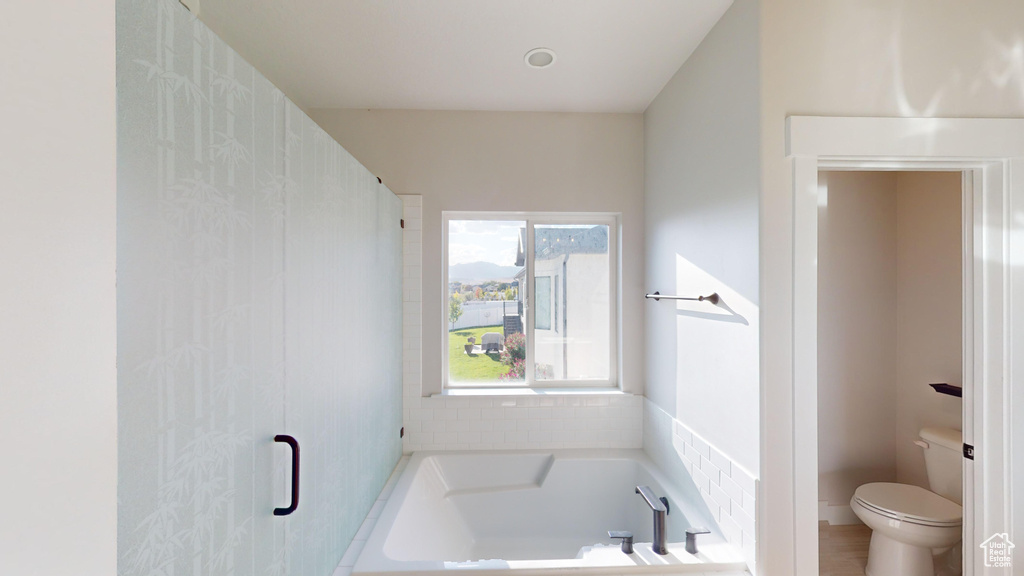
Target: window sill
(517, 392)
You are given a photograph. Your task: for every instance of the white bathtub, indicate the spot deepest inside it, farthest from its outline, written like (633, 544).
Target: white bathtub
(542, 512)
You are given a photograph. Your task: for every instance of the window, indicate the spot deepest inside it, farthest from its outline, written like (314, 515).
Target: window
(530, 299)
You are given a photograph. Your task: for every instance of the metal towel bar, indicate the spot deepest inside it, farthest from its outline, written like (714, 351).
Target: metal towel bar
(657, 296)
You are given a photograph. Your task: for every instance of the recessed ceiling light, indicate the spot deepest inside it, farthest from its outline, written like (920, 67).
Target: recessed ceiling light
(540, 58)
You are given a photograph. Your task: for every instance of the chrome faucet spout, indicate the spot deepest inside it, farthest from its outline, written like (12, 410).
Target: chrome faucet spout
(659, 508)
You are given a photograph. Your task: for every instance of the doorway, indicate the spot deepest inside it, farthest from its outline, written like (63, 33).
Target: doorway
(890, 298)
(988, 153)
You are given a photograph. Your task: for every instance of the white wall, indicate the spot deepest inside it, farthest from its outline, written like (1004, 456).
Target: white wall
(506, 161)
(701, 190)
(871, 58)
(929, 319)
(58, 384)
(857, 350)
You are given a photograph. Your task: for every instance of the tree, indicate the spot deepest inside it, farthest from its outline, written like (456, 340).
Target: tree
(454, 308)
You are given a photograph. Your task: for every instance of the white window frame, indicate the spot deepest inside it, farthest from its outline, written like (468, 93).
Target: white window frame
(611, 220)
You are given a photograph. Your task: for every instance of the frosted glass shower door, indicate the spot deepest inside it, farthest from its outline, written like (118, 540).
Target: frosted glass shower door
(343, 305)
(259, 285)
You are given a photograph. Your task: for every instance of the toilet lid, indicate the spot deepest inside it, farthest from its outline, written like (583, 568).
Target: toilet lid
(912, 503)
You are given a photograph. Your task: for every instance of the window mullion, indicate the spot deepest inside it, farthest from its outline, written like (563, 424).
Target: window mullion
(528, 371)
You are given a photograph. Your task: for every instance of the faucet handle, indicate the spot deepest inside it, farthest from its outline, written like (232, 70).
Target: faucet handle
(691, 538)
(626, 537)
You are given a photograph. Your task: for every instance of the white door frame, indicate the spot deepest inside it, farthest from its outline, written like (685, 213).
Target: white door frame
(990, 152)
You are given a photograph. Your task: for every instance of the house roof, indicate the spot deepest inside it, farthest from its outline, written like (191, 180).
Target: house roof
(552, 242)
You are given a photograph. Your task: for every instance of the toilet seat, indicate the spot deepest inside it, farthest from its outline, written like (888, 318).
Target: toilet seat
(907, 503)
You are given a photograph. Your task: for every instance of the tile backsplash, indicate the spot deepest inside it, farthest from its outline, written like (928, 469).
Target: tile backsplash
(728, 490)
(545, 421)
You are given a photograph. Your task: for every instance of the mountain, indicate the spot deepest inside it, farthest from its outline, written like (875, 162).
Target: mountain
(480, 271)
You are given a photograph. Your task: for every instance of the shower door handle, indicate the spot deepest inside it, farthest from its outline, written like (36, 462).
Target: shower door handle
(291, 441)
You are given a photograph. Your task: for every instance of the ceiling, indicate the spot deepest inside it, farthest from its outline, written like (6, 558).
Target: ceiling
(612, 55)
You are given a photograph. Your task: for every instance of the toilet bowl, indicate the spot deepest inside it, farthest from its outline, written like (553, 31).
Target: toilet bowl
(914, 531)
(909, 526)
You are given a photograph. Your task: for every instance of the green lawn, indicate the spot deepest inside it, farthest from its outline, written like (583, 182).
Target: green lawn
(464, 367)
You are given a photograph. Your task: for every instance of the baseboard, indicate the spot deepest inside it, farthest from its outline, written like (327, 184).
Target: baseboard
(841, 515)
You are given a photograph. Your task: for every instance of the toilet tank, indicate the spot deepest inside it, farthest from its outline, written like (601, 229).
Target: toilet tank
(943, 459)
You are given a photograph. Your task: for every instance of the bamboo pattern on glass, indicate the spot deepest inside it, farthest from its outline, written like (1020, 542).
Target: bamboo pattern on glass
(258, 291)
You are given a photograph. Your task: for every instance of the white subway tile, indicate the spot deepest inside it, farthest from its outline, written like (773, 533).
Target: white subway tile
(469, 413)
(539, 436)
(745, 522)
(713, 506)
(421, 414)
(540, 412)
(731, 488)
(692, 454)
(564, 412)
(712, 471)
(492, 413)
(527, 425)
(457, 426)
(701, 446)
(749, 504)
(432, 426)
(517, 437)
(551, 424)
(701, 480)
(745, 481)
(575, 424)
(731, 530)
(492, 436)
(469, 437)
(722, 498)
(721, 461)
(481, 425)
(504, 425)
(563, 435)
(446, 437)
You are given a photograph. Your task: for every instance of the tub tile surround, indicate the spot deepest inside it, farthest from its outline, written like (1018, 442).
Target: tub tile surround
(412, 299)
(728, 490)
(545, 421)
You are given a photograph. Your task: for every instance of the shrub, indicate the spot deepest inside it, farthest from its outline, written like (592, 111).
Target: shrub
(514, 356)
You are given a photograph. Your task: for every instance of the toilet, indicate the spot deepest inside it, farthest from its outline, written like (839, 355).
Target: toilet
(917, 532)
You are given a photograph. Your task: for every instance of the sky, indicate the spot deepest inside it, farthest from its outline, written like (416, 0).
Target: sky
(483, 241)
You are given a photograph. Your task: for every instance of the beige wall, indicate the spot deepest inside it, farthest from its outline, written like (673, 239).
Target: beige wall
(929, 318)
(857, 309)
(58, 383)
(865, 58)
(889, 323)
(507, 161)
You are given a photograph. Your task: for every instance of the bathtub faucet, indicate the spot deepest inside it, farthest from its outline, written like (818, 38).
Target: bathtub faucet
(660, 508)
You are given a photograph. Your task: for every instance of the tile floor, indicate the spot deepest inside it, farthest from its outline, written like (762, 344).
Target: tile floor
(842, 550)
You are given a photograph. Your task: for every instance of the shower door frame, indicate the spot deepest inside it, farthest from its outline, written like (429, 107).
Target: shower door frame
(989, 153)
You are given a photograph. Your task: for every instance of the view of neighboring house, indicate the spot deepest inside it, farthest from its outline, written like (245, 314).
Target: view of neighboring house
(571, 283)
